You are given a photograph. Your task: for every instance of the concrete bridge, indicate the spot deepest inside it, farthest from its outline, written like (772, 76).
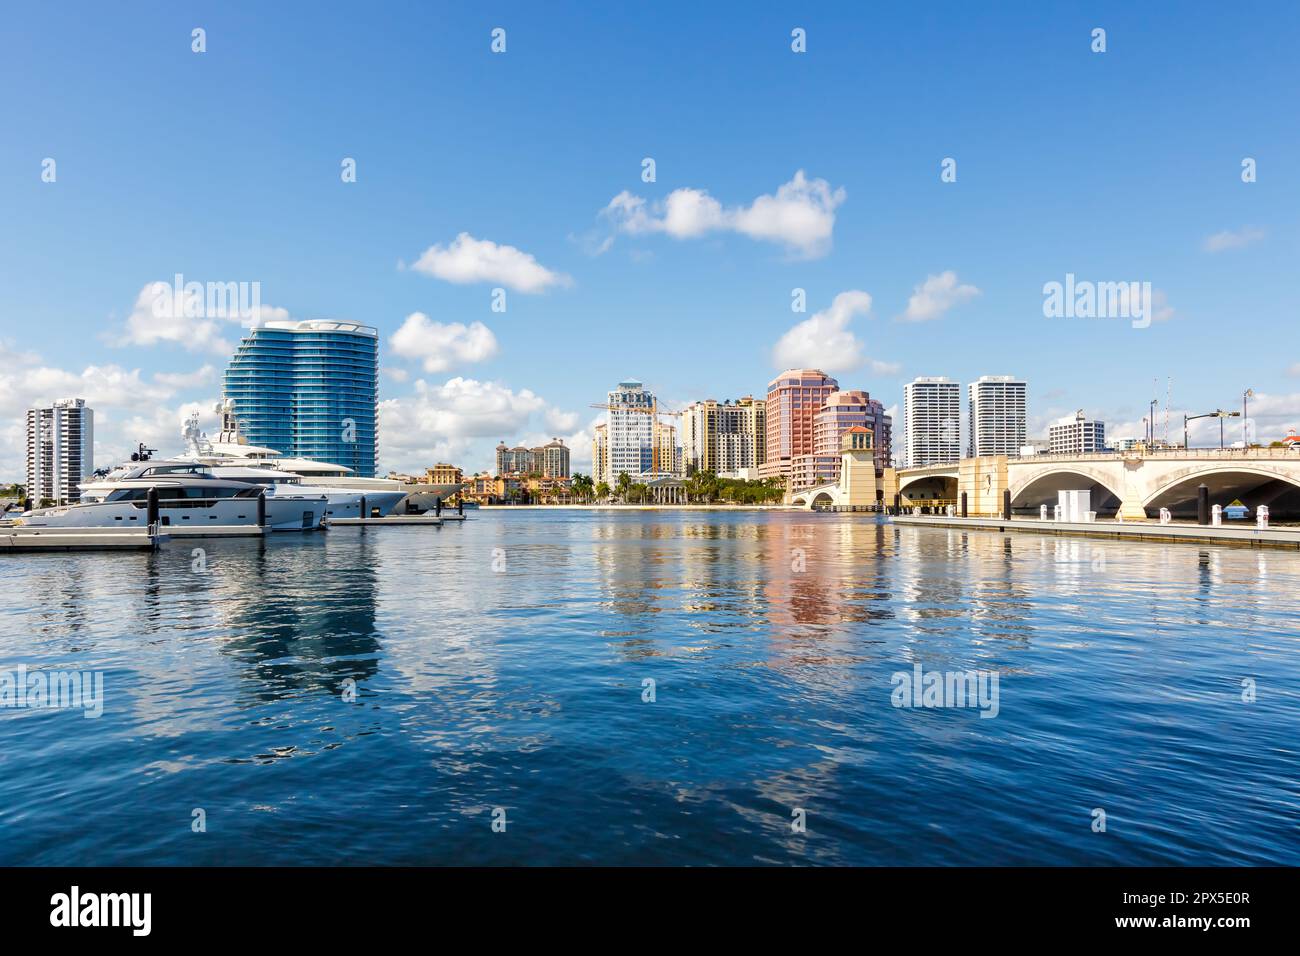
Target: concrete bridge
(1134, 484)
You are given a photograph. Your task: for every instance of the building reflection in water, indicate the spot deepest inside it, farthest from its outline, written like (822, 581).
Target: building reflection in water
(299, 618)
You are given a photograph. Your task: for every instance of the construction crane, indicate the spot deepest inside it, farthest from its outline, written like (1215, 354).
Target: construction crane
(654, 411)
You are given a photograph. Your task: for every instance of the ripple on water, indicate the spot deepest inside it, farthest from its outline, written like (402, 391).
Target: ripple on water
(371, 696)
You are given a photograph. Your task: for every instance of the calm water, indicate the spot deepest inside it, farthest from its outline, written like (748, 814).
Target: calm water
(501, 664)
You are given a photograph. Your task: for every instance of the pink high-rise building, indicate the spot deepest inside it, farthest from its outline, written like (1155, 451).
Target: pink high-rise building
(793, 400)
(840, 412)
(882, 434)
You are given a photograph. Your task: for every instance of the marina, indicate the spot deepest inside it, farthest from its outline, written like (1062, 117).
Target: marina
(222, 489)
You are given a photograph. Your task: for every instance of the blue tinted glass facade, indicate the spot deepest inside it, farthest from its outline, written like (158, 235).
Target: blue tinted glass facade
(304, 388)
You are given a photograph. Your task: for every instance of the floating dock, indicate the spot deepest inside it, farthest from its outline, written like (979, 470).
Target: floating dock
(1134, 530)
(386, 520)
(19, 539)
(217, 531)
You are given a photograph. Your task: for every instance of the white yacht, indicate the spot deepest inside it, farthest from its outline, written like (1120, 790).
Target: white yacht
(339, 502)
(344, 489)
(189, 497)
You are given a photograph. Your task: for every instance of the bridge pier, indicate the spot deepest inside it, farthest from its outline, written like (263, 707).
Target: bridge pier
(983, 480)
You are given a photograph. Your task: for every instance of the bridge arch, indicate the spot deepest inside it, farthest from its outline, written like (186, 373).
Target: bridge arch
(822, 496)
(1252, 484)
(1043, 486)
(920, 487)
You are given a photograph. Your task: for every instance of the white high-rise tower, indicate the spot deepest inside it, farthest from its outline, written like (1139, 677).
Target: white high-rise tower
(998, 419)
(932, 419)
(630, 435)
(60, 450)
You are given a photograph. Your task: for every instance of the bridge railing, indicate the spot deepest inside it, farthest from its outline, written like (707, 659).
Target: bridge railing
(1215, 454)
(929, 505)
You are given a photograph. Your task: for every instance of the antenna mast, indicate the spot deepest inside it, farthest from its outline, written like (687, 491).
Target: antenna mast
(1169, 391)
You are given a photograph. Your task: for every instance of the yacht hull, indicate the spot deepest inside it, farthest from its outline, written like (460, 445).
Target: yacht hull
(347, 503)
(282, 514)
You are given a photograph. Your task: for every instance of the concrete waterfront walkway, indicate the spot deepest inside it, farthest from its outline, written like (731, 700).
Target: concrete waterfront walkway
(23, 539)
(1249, 536)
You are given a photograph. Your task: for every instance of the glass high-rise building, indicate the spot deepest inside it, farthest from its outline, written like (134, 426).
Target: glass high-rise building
(309, 390)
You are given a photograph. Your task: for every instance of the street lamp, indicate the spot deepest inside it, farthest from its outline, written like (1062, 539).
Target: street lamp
(1245, 439)
(1222, 416)
(1218, 413)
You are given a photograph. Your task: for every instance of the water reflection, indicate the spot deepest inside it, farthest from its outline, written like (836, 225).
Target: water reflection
(289, 633)
(503, 663)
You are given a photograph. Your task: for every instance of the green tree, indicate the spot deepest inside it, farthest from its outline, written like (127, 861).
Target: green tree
(582, 486)
(602, 491)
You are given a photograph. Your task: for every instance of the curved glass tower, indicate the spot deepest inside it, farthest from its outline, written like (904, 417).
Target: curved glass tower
(309, 390)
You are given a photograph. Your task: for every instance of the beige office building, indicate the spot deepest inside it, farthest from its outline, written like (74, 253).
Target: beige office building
(600, 455)
(443, 474)
(724, 437)
(669, 457)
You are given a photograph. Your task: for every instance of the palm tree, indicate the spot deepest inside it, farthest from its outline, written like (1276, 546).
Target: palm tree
(581, 485)
(602, 491)
(624, 483)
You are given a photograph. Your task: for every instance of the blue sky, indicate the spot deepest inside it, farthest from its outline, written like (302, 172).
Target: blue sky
(225, 166)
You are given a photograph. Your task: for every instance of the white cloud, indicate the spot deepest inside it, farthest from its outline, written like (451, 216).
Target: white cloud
(161, 315)
(160, 427)
(440, 422)
(593, 242)
(466, 407)
(461, 421)
(179, 381)
(116, 394)
(560, 421)
(935, 296)
(9, 356)
(825, 340)
(1273, 416)
(468, 260)
(1228, 239)
(101, 385)
(1161, 310)
(442, 347)
(800, 216)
